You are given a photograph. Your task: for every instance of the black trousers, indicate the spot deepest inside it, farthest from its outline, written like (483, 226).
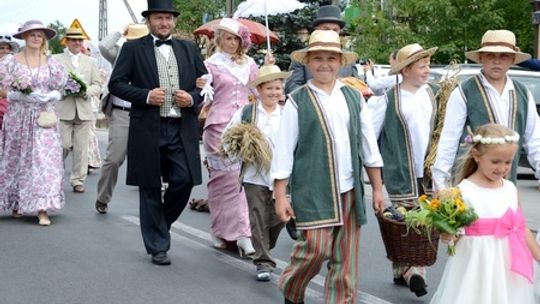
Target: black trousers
(157, 214)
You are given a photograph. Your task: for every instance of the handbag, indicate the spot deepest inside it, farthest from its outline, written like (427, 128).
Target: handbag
(47, 119)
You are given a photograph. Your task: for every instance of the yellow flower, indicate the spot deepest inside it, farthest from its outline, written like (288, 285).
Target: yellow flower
(434, 204)
(422, 198)
(460, 205)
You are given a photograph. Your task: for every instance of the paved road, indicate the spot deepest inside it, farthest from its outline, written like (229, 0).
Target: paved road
(87, 258)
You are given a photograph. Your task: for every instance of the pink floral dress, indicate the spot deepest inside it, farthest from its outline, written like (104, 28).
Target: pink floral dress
(31, 166)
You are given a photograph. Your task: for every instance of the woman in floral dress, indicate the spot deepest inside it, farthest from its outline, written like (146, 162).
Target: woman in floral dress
(31, 167)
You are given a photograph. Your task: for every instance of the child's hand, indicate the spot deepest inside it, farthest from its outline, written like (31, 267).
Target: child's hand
(448, 238)
(283, 209)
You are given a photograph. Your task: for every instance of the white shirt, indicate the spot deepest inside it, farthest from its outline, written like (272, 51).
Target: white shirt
(454, 122)
(74, 58)
(381, 83)
(164, 49)
(417, 110)
(268, 123)
(337, 116)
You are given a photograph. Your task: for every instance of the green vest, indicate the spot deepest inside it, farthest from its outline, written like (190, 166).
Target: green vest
(314, 179)
(480, 111)
(396, 150)
(249, 113)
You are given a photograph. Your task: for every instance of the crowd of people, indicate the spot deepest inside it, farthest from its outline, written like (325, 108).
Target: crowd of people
(311, 138)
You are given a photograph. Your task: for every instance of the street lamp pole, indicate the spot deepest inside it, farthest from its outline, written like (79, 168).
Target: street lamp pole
(536, 24)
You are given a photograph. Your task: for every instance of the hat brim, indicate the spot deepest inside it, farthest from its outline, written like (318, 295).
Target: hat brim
(226, 29)
(76, 37)
(149, 12)
(49, 33)
(347, 57)
(269, 77)
(14, 46)
(328, 20)
(400, 66)
(475, 55)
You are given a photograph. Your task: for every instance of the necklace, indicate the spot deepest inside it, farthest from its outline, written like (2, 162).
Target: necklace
(34, 77)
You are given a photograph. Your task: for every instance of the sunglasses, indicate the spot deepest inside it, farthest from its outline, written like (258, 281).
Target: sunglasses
(7, 37)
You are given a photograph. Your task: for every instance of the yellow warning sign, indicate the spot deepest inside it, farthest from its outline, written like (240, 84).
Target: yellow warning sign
(75, 26)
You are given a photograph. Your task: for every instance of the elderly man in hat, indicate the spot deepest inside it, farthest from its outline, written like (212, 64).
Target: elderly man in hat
(405, 122)
(489, 97)
(328, 19)
(117, 112)
(157, 74)
(75, 111)
(325, 137)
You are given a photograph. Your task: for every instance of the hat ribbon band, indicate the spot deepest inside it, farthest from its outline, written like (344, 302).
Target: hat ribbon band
(414, 53)
(328, 44)
(508, 45)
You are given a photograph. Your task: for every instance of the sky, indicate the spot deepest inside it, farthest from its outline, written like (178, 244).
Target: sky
(15, 12)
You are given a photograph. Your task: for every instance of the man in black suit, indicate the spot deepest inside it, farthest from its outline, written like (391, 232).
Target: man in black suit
(157, 74)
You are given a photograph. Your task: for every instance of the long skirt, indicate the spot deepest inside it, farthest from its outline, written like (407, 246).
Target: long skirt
(31, 166)
(227, 202)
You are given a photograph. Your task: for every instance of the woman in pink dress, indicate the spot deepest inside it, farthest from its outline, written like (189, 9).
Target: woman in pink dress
(230, 70)
(31, 167)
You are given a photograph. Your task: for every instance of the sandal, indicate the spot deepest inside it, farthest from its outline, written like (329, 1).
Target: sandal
(200, 205)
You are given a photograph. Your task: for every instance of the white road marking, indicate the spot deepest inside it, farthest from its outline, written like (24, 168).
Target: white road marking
(244, 265)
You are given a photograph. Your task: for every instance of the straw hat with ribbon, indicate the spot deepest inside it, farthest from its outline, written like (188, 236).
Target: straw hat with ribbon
(75, 33)
(136, 31)
(267, 73)
(498, 41)
(32, 25)
(326, 41)
(408, 55)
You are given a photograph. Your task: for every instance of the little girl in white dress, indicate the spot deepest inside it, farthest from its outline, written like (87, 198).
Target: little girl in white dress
(494, 261)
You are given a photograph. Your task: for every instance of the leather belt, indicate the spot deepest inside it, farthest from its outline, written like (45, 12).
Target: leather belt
(120, 108)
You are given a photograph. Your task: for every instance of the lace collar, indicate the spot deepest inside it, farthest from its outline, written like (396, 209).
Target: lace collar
(224, 62)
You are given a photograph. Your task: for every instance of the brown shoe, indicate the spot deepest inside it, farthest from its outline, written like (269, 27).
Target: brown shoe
(78, 188)
(101, 208)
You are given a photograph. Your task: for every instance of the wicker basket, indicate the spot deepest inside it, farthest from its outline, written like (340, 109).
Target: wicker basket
(411, 248)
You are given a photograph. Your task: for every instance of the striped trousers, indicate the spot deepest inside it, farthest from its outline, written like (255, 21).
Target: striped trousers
(338, 245)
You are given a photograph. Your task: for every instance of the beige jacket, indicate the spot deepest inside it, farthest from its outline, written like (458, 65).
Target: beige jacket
(89, 73)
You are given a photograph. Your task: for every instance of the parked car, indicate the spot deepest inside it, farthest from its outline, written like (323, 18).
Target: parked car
(530, 79)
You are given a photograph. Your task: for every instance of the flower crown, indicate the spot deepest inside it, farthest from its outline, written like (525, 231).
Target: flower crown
(473, 139)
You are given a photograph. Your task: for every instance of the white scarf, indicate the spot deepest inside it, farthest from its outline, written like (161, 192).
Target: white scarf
(224, 62)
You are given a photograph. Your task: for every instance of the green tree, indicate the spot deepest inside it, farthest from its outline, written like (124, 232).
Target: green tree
(287, 26)
(194, 13)
(455, 26)
(54, 44)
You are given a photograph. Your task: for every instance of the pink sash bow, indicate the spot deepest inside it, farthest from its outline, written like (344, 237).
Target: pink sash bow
(511, 225)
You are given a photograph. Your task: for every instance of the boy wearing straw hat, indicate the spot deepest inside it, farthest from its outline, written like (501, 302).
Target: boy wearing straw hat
(261, 119)
(489, 97)
(405, 122)
(323, 140)
(328, 19)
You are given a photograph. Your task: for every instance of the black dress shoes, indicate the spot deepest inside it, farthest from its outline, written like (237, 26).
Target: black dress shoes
(289, 302)
(161, 258)
(101, 208)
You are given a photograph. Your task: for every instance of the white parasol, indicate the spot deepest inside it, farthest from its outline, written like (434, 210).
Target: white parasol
(258, 8)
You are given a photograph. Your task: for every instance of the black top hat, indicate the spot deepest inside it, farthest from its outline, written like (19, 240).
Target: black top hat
(160, 6)
(329, 13)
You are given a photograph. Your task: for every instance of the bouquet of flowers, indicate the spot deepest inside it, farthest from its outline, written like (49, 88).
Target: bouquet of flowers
(19, 81)
(446, 213)
(75, 86)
